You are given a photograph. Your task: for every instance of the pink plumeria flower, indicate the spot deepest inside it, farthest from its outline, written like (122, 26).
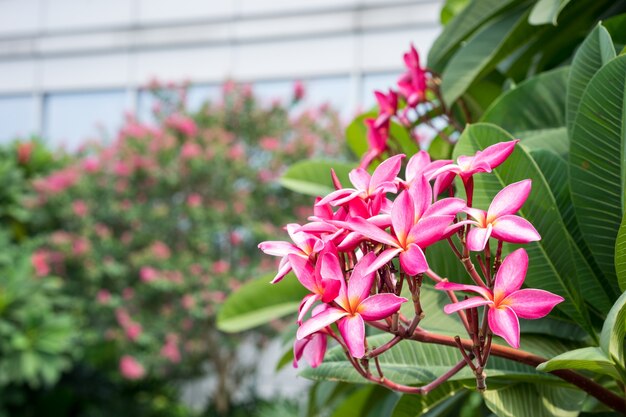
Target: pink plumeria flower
(388, 105)
(322, 289)
(377, 137)
(354, 303)
(500, 222)
(412, 84)
(466, 166)
(420, 165)
(415, 225)
(306, 245)
(367, 186)
(507, 302)
(313, 347)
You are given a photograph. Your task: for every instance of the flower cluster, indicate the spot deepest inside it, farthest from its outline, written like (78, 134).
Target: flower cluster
(365, 242)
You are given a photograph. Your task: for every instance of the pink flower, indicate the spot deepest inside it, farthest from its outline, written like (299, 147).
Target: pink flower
(161, 250)
(80, 208)
(182, 124)
(416, 224)
(91, 165)
(24, 151)
(39, 259)
(188, 302)
(103, 297)
(412, 84)
(376, 141)
(466, 166)
(190, 150)
(194, 200)
(367, 186)
(306, 244)
(312, 348)
(355, 305)
(324, 288)
(507, 301)
(388, 105)
(170, 350)
(499, 221)
(221, 266)
(148, 274)
(236, 152)
(133, 331)
(269, 143)
(298, 91)
(130, 368)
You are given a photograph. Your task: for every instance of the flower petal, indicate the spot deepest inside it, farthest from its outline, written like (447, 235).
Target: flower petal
(352, 329)
(379, 306)
(504, 322)
(496, 154)
(429, 230)
(306, 304)
(445, 206)
(360, 178)
(315, 350)
(304, 271)
(367, 229)
(413, 260)
(511, 274)
(384, 257)
(283, 269)
(532, 303)
(416, 165)
(385, 172)
(509, 199)
(478, 237)
(278, 248)
(361, 280)
(469, 303)
(515, 229)
(453, 286)
(320, 321)
(422, 195)
(402, 216)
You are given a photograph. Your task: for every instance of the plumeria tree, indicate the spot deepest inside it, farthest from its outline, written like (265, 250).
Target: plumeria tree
(457, 252)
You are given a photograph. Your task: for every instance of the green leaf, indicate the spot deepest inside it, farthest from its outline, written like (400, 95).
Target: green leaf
(367, 401)
(552, 265)
(447, 394)
(483, 51)
(615, 26)
(312, 177)
(594, 53)
(589, 359)
(439, 149)
(452, 8)
(613, 332)
(593, 285)
(537, 103)
(259, 302)
(546, 12)
(597, 165)
(356, 133)
(462, 26)
(620, 255)
(553, 140)
(533, 400)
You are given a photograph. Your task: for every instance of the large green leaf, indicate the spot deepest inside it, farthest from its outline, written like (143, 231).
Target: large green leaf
(312, 177)
(553, 140)
(620, 255)
(259, 302)
(588, 359)
(546, 12)
(597, 164)
(532, 400)
(483, 51)
(446, 395)
(613, 332)
(552, 265)
(356, 133)
(592, 283)
(537, 103)
(414, 363)
(462, 26)
(594, 52)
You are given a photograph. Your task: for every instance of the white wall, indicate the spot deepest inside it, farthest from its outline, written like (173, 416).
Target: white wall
(50, 47)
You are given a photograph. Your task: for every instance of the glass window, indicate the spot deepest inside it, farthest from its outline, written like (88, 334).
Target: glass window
(17, 117)
(72, 118)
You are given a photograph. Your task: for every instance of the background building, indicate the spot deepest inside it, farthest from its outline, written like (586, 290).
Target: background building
(70, 68)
